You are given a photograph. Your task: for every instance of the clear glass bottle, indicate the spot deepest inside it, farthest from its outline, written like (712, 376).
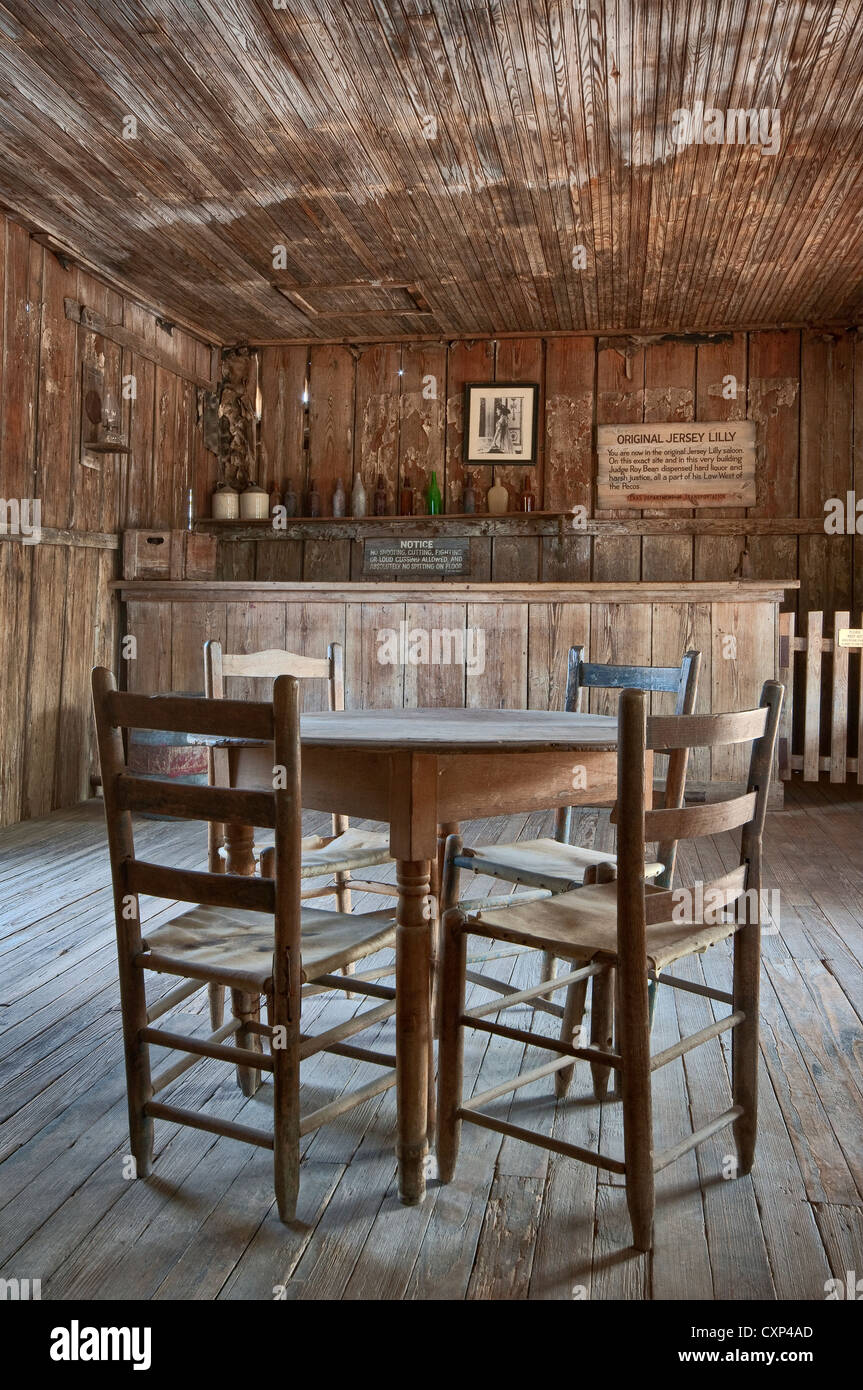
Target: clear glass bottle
(339, 499)
(359, 500)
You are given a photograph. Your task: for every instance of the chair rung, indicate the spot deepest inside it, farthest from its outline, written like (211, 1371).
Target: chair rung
(203, 1047)
(586, 1054)
(191, 1059)
(547, 987)
(530, 895)
(356, 984)
(674, 981)
(348, 1102)
(679, 1049)
(523, 1079)
(667, 1156)
(364, 885)
(228, 1128)
(475, 977)
(556, 1146)
(174, 996)
(321, 1042)
(359, 1054)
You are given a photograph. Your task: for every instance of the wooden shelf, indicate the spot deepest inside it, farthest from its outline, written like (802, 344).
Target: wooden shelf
(558, 524)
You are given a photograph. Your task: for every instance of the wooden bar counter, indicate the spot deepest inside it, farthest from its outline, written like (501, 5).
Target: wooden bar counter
(456, 644)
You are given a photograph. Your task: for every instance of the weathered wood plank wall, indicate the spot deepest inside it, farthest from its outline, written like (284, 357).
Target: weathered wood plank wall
(396, 409)
(57, 614)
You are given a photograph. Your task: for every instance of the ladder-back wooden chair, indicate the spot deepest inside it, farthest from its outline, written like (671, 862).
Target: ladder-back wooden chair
(245, 933)
(633, 929)
(334, 857)
(547, 866)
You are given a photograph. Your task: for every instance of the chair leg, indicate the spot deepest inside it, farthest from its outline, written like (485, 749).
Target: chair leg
(573, 1013)
(451, 1044)
(744, 1042)
(217, 1005)
(343, 903)
(247, 1008)
(601, 1027)
(137, 1054)
(547, 969)
(450, 884)
(286, 1125)
(634, 1032)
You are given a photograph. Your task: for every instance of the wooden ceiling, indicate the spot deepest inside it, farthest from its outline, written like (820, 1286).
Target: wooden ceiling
(456, 151)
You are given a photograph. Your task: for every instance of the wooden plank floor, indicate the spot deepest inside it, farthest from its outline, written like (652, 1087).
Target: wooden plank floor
(517, 1222)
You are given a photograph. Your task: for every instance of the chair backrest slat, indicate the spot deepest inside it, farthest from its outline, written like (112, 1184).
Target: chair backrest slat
(194, 886)
(691, 822)
(665, 732)
(274, 663)
(179, 714)
(267, 665)
(189, 802)
(681, 680)
(663, 905)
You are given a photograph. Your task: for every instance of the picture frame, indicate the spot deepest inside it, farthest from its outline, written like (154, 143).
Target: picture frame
(500, 422)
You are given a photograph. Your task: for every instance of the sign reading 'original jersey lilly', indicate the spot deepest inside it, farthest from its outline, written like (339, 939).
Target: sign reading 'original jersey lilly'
(674, 465)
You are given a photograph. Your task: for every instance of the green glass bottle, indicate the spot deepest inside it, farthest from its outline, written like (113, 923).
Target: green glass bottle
(433, 497)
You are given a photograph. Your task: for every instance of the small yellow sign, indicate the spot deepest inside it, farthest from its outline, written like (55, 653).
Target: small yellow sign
(851, 636)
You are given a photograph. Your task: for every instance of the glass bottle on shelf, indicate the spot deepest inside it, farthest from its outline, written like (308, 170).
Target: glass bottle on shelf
(527, 500)
(339, 499)
(497, 500)
(468, 497)
(406, 501)
(359, 501)
(380, 499)
(289, 501)
(275, 498)
(434, 499)
(313, 499)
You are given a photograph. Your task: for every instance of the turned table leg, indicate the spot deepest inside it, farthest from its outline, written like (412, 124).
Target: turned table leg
(413, 1024)
(240, 848)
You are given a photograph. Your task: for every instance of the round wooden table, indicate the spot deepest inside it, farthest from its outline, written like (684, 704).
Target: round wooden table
(422, 772)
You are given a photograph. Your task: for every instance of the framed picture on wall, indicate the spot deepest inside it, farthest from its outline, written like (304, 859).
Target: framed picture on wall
(500, 421)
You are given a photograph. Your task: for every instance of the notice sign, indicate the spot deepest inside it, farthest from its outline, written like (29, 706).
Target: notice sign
(697, 465)
(416, 558)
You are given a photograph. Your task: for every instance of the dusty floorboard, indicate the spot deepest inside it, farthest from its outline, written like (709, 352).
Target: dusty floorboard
(517, 1222)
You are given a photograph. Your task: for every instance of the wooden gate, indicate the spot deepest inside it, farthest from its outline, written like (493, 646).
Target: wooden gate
(823, 689)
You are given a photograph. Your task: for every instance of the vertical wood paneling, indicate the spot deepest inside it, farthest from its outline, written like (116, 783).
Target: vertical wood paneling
(619, 400)
(432, 684)
(283, 372)
(503, 682)
(376, 429)
(191, 625)
(568, 467)
(827, 373)
(774, 404)
(720, 369)
(422, 408)
(669, 395)
(620, 634)
(331, 421)
(370, 682)
(552, 629)
(742, 634)
(466, 361)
